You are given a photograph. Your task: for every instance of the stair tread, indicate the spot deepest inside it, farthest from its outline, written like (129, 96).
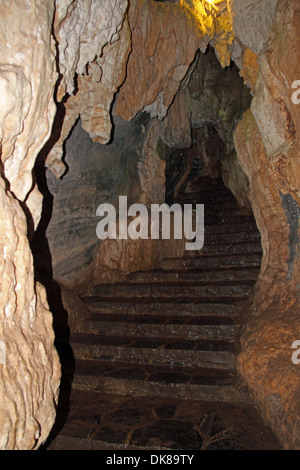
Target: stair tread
(169, 311)
(162, 319)
(209, 392)
(153, 373)
(213, 276)
(141, 342)
(183, 292)
(150, 355)
(195, 332)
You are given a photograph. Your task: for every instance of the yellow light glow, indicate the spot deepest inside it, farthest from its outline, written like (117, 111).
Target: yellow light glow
(212, 3)
(205, 11)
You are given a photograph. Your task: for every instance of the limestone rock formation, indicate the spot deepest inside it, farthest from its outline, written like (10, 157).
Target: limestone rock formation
(266, 144)
(165, 39)
(218, 97)
(252, 21)
(92, 67)
(27, 81)
(83, 29)
(29, 366)
(265, 360)
(97, 174)
(202, 120)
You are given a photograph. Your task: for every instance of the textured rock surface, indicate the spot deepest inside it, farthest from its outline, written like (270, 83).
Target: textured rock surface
(218, 97)
(165, 39)
(97, 174)
(83, 29)
(176, 127)
(267, 153)
(265, 361)
(252, 21)
(267, 146)
(29, 366)
(235, 180)
(93, 67)
(27, 82)
(201, 121)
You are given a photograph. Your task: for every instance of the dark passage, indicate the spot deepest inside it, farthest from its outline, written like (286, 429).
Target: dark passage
(156, 365)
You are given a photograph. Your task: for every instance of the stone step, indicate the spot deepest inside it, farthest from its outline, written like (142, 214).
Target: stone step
(226, 276)
(156, 358)
(226, 219)
(162, 312)
(203, 343)
(155, 352)
(136, 388)
(212, 261)
(219, 203)
(155, 374)
(170, 331)
(231, 238)
(180, 292)
(234, 228)
(204, 195)
(228, 248)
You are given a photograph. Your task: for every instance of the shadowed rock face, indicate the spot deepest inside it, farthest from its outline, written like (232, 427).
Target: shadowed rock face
(85, 57)
(96, 174)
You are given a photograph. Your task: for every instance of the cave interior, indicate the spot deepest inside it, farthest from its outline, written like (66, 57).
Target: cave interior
(187, 103)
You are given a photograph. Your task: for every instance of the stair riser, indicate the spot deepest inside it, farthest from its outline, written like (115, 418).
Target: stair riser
(234, 249)
(204, 262)
(163, 357)
(161, 310)
(234, 228)
(232, 238)
(133, 388)
(214, 276)
(183, 292)
(194, 332)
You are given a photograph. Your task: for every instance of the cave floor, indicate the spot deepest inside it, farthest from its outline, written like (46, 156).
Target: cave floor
(155, 364)
(107, 422)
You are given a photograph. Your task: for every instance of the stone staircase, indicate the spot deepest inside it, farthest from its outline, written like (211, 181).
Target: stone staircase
(155, 367)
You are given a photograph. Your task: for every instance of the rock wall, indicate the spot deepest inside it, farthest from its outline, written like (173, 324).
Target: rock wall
(29, 366)
(97, 174)
(267, 144)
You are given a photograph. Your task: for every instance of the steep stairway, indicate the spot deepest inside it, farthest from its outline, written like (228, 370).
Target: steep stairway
(155, 367)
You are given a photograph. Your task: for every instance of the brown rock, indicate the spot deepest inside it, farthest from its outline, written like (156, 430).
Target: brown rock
(267, 339)
(250, 69)
(29, 366)
(165, 39)
(176, 126)
(92, 101)
(27, 80)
